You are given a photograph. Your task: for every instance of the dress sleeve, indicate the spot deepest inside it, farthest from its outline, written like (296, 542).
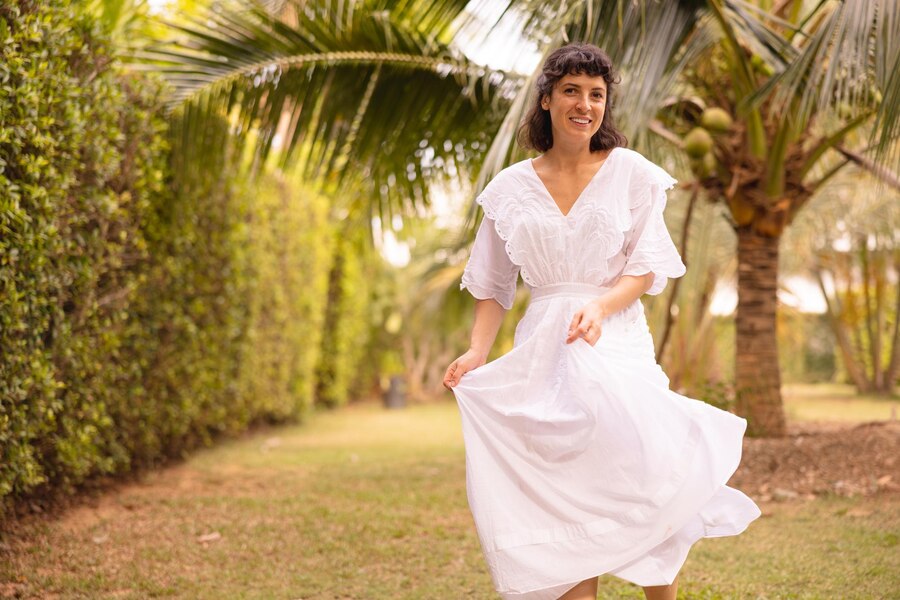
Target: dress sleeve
(489, 272)
(650, 248)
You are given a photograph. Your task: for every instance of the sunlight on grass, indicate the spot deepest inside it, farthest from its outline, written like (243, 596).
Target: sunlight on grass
(836, 402)
(370, 504)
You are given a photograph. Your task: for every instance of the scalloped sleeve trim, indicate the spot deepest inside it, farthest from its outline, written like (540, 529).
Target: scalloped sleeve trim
(650, 248)
(489, 272)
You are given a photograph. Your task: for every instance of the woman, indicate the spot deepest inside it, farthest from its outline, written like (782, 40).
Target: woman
(579, 459)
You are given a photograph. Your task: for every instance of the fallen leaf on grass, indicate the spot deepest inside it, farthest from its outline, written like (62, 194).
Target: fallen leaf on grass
(215, 536)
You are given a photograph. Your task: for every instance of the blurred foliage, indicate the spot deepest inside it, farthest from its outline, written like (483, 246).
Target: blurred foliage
(849, 247)
(346, 326)
(809, 347)
(290, 242)
(697, 358)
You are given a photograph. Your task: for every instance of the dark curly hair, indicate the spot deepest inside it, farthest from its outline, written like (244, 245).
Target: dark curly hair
(571, 59)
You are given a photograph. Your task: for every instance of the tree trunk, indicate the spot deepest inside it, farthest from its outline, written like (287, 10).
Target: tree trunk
(757, 374)
(839, 328)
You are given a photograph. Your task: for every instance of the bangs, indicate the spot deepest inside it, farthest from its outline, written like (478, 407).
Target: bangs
(583, 63)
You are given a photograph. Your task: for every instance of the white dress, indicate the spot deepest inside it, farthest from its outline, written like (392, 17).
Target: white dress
(579, 459)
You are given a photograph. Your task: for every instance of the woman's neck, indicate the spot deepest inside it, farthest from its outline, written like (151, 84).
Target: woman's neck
(569, 156)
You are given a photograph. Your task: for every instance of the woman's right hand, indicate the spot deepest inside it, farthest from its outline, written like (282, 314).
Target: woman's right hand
(471, 359)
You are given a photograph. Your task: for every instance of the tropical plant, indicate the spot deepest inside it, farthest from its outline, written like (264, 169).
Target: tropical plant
(367, 98)
(850, 246)
(372, 95)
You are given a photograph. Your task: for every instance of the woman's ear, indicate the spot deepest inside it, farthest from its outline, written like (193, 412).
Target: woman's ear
(545, 101)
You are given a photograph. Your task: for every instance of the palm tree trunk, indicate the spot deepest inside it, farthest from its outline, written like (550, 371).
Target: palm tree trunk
(757, 374)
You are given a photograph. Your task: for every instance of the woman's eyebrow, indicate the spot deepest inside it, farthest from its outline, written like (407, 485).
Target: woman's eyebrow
(575, 85)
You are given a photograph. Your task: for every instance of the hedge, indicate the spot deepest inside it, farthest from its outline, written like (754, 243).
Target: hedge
(145, 308)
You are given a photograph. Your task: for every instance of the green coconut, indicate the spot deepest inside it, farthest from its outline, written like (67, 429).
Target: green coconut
(716, 119)
(697, 142)
(705, 167)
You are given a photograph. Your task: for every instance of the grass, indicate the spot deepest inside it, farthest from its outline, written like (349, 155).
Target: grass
(836, 402)
(370, 504)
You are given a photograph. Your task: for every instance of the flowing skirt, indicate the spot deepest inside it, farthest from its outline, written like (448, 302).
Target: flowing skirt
(581, 461)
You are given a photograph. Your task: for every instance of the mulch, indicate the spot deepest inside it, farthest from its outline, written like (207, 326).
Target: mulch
(817, 459)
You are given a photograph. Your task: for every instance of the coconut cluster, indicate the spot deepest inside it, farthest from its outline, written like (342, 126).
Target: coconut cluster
(698, 143)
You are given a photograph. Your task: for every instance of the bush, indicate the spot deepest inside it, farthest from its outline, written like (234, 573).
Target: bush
(347, 319)
(78, 169)
(146, 306)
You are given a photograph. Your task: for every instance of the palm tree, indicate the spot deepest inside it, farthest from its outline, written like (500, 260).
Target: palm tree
(373, 98)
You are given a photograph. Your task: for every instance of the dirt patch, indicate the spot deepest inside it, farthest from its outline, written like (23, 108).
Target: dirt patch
(822, 458)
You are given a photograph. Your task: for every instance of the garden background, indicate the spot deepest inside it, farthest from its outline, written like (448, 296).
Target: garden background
(228, 229)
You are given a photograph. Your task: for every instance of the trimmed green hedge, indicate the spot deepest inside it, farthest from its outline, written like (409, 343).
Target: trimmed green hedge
(79, 169)
(144, 308)
(346, 327)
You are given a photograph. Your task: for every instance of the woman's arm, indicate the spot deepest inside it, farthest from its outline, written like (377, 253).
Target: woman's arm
(488, 318)
(586, 322)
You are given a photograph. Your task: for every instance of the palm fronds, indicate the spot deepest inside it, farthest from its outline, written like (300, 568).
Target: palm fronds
(351, 90)
(848, 56)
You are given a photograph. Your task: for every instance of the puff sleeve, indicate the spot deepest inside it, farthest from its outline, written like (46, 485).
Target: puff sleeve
(489, 272)
(650, 248)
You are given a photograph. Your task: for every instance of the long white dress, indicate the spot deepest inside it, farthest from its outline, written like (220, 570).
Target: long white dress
(579, 459)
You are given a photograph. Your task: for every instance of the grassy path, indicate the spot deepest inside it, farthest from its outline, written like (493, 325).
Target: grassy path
(370, 504)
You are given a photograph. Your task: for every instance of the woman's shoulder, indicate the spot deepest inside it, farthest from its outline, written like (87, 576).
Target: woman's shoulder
(635, 159)
(510, 180)
(642, 171)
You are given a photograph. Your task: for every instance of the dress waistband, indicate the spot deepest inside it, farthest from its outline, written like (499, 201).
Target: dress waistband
(570, 289)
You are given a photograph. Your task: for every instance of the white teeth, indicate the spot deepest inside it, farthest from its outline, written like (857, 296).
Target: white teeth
(582, 121)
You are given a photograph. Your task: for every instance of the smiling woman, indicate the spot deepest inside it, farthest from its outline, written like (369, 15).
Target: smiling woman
(579, 458)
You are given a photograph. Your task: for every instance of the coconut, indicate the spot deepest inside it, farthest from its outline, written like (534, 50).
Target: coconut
(697, 142)
(716, 119)
(741, 211)
(705, 167)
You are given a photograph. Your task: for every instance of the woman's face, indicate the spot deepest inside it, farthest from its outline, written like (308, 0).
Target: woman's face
(576, 104)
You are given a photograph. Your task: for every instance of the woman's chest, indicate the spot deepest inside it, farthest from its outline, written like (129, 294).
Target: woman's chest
(595, 227)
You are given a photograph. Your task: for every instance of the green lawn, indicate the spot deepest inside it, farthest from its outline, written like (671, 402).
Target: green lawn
(836, 402)
(370, 504)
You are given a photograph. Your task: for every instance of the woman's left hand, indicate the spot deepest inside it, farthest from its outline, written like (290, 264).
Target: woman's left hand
(586, 323)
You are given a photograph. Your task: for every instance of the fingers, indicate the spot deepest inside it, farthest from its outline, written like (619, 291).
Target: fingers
(452, 376)
(588, 331)
(574, 325)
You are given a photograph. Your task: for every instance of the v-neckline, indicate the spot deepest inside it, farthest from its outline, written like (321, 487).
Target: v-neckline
(580, 194)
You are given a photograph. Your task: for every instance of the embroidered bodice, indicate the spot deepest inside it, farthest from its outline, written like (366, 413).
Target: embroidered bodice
(615, 228)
